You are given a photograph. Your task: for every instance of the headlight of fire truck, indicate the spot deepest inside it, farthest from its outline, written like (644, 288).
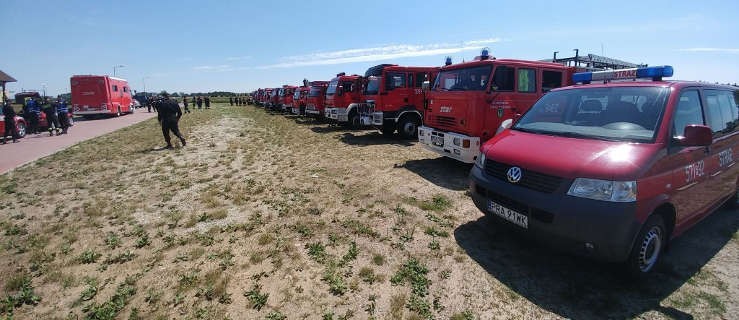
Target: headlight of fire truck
(604, 190)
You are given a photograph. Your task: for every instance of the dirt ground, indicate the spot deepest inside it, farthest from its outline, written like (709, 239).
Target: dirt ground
(267, 216)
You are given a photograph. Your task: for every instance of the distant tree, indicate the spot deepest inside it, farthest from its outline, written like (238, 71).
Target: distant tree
(161, 93)
(175, 94)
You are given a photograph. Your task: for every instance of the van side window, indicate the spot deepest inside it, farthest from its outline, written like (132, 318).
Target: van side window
(721, 110)
(550, 80)
(526, 80)
(688, 111)
(503, 78)
(115, 88)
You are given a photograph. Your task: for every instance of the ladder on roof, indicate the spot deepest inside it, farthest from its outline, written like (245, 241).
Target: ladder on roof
(592, 62)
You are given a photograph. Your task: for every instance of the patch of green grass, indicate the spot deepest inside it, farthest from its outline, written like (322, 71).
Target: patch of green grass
(316, 251)
(275, 315)
(88, 256)
(367, 275)
(335, 281)
(110, 309)
(90, 291)
(717, 306)
(464, 315)
(414, 273)
(378, 259)
(360, 228)
(24, 294)
(122, 257)
(112, 240)
(256, 298)
(434, 232)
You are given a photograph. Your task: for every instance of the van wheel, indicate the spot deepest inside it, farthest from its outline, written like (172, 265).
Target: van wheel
(408, 127)
(21, 128)
(648, 247)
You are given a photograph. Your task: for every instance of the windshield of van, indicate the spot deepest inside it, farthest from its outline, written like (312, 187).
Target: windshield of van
(616, 113)
(373, 86)
(465, 79)
(332, 87)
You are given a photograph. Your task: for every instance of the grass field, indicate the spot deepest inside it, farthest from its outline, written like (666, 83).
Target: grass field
(271, 217)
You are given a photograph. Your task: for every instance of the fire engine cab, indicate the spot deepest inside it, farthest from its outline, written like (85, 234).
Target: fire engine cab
(614, 167)
(343, 95)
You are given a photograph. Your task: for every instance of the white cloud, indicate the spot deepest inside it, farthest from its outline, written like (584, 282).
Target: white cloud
(238, 58)
(717, 50)
(378, 53)
(222, 67)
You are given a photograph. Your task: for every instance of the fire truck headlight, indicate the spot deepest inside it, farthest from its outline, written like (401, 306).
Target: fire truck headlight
(457, 141)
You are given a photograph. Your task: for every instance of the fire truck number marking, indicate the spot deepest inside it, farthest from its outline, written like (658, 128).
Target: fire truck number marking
(725, 158)
(694, 171)
(418, 91)
(445, 109)
(551, 108)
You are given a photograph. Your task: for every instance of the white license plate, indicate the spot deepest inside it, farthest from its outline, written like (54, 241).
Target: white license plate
(508, 214)
(437, 141)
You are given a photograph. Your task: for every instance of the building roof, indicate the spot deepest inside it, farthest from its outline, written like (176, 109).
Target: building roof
(4, 77)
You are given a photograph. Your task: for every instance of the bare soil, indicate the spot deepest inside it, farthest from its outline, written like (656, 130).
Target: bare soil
(263, 216)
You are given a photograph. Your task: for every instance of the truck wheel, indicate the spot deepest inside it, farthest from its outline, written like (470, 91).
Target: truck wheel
(21, 129)
(354, 122)
(648, 246)
(408, 127)
(118, 113)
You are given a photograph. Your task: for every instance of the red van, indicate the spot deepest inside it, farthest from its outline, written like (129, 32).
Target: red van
(100, 95)
(614, 169)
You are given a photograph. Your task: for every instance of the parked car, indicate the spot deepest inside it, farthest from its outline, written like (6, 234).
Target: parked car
(20, 124)
(614, 170)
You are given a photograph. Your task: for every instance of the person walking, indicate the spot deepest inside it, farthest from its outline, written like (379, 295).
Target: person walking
(62, 112)
(207, 102)
(52, 121)
(9, 117)
(231, 101)
(200, 102)
(169, 114)
(32, 112)
(149, 102)
(184, 103)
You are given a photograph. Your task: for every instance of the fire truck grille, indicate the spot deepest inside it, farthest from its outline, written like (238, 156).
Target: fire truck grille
(529, 179)
(445, 121)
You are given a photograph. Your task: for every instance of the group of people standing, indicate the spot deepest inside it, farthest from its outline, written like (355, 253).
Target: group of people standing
(239, 101)
(56, 114)
(196, 101)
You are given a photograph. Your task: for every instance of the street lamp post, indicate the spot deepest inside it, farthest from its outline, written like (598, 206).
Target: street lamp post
(43, 86)
(115, 67)
(144, 81)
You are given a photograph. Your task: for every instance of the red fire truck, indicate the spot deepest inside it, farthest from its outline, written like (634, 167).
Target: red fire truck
(300, 99)
(285, 98)
(343, 95)
(470, 101)
(100, 95)
(273, 99)
(315, 105)
(394, 98)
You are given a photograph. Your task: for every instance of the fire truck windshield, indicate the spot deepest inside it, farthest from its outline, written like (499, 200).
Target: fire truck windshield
(464, 79)
(332, 87)
(373, 86)
(296, 95)
(314, 92)
(616, 113)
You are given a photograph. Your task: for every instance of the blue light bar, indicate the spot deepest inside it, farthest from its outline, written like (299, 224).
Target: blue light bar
(656, 73)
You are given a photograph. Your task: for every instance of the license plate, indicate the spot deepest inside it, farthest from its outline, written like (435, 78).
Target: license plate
(508, 214)
(437, 141)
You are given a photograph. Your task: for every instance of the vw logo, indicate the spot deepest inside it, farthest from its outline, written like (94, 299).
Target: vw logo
(514, 174)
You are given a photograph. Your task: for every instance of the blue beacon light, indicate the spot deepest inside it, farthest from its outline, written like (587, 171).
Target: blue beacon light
(656, 73)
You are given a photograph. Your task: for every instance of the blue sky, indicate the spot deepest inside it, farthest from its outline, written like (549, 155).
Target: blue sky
(193, 46)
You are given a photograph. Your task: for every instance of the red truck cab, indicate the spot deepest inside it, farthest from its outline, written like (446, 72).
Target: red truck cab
(315, 106)
(100, 95)
(470, 100)
(273, 98)
(614, 169)
(285, 98)
(394, 98)
(343, 95)
(300, 99)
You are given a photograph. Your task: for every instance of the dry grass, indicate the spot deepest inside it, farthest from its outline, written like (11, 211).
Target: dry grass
(262, 216)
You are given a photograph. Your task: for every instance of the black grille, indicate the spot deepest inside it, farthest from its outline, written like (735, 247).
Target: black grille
(520, 207)
(445, 121)
(529, 179)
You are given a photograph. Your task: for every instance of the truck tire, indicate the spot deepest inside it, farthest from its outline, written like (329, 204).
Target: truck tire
(648, 246)
(118, 112)
(353, 121)
(408, 126)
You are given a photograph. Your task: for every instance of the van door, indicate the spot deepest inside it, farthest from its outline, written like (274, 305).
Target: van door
(689, 172)
(721, 115)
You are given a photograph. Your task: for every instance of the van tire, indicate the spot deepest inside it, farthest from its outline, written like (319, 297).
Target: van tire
(408, 126)
(648, 246)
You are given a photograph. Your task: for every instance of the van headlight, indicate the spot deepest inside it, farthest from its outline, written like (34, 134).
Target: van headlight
(480, 162)
(614, 191)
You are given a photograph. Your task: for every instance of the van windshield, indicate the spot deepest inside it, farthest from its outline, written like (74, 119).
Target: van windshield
(464, 79)
(332, 87)
(616, 113)
(373, 86)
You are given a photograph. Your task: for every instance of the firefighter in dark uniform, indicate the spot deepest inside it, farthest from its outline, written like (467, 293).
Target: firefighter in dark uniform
(10, 129)
(231, 101)
(184, 103)
(200, 102)
(52, 121)
(62, 112)
(207, 102)
(169, 116)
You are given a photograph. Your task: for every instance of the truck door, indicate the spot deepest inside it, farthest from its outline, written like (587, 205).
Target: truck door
(501, 100)
(416, 95)
(689, 174)
(396, 90)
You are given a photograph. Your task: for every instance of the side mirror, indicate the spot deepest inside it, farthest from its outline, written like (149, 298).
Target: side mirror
(696, 136)
(506, 124)
(425, 85)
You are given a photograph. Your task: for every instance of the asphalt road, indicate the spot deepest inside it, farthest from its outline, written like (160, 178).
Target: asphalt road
(33, 147)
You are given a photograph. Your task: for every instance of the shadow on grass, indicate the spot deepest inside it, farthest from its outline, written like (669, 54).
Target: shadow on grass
(373, 138)
(444, 172)
(578, 288)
